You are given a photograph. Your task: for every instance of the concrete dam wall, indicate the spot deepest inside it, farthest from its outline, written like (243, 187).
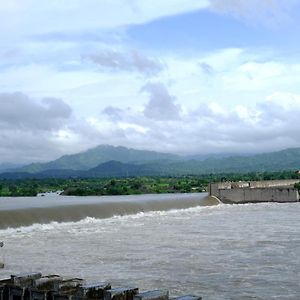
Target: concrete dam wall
(255, 191)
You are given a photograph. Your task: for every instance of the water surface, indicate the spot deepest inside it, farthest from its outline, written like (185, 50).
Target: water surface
(220, 252)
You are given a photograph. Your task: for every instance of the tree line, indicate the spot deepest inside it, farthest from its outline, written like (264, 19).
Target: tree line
(130, 185)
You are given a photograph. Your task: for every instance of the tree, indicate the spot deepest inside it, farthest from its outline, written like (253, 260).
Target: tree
(13, 190)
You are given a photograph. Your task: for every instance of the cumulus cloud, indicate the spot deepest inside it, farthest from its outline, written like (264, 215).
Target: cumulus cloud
(38, 129)
(266, 11)
(126, 61)
(21, 112)
(281, 109)
(161, 105)
(114, 113)
(161, 125)
(197, 113)
(270, 125)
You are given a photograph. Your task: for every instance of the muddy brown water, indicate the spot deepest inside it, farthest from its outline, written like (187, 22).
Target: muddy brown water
(176, 242)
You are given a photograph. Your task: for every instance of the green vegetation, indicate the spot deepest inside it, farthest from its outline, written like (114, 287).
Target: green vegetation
(87, 187)
(114, 162)
(27, 187)
(169, 164)
(131, 185)
(297, 186)
(98, 155)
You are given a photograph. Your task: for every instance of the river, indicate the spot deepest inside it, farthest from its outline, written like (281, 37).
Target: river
(175, 242)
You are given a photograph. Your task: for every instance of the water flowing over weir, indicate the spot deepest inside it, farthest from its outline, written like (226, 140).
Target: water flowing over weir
(42, 210)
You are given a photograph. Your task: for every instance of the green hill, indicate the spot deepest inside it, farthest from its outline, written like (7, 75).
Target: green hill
(288, 159)
(109, 161)
(95, 156)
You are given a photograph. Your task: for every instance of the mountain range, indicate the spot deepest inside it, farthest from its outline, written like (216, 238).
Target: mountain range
(98, 155)
(110, 161)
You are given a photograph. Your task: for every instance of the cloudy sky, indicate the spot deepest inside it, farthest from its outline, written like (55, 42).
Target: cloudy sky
(192, 76)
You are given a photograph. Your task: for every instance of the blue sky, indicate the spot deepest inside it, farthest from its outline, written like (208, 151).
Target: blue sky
(190, 31)
(193, 76)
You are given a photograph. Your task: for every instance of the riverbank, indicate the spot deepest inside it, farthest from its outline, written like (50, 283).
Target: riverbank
(103, 187)
(128, 186)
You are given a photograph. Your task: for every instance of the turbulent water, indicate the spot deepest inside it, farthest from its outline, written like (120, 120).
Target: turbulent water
(28, 210)
(174, 242)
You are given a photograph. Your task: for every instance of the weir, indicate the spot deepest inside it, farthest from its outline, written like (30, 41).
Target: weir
(17, 212)
(34, 286)
(281, 191)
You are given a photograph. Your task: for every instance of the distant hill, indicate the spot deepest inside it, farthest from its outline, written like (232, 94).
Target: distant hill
(8, 166)
(288, 159)
(107, 169)
(202, 157)
(148, 163)
(118, 169)
(95, 156)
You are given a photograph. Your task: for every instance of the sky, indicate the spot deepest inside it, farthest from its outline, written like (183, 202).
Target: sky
(185, 77)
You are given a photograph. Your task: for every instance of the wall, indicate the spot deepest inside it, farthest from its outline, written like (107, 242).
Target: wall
(255, 191)
(273, 183)
(259, 195)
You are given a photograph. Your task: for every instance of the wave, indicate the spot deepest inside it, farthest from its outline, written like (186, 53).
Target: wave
(15, 218)
(99, 224)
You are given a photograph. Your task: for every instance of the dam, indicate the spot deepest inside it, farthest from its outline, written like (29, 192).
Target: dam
(281, 191)
(26, 211)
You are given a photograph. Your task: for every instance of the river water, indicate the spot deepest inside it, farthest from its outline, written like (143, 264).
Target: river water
(174, 242)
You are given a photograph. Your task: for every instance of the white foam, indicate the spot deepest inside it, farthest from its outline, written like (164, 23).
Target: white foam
(118, 219)
(52, 226)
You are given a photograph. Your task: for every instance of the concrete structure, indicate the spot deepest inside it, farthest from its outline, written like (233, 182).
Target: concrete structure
(188, 297)
(255, 191)
(1, 263)
(34, 286)
(126, 293)
(152, 295)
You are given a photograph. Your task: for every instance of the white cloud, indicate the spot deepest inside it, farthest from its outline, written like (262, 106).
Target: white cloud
(36, 17)
(255, 11)
(161, 105)
(40, 129)
(270, 125)
(126, 61)
(35, 130)
(204, 102)
(20, 112)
